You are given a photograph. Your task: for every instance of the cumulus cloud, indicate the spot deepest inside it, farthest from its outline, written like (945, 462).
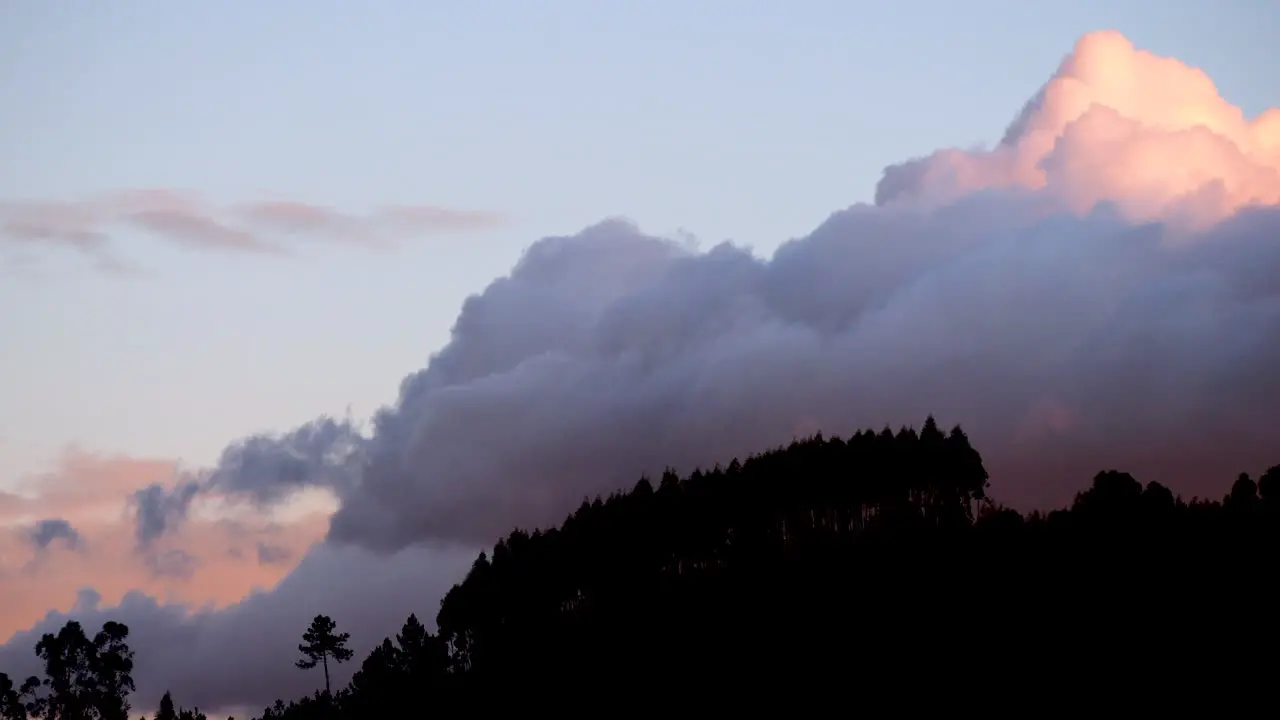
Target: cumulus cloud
(184, 218)
(1065, 344)
(1120, 125)
(1097, 290)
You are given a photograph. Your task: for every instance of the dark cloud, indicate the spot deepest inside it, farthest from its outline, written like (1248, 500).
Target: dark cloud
(1087, 337)
(272, 554)
(324, 453)
(262, 469)
(46, 531)
(157, 509)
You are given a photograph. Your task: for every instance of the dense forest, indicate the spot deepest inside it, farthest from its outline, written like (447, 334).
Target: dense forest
(859, 571)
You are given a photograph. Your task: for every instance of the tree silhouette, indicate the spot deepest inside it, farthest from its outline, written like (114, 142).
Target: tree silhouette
(1269, 485)
(166, 711)
(113, 666)
(423, 657)
(833, 569)
(13, 705)
(319, 643)
(83, 677)
(1244, 493)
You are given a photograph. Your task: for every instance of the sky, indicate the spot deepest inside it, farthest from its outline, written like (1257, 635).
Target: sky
(224, 220)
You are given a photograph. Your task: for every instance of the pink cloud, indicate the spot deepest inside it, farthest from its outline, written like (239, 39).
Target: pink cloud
(84, 484)
(298, 217)
(184, 218)
(74, 226)
(198, 230)
(373, 229)
(1121, 125)
(206, 562)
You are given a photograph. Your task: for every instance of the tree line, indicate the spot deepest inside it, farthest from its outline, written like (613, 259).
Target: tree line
(872, 567)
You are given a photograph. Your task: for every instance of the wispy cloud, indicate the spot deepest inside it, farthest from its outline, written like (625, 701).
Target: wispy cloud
(295, 218)
(87, 226)
(304, 219)
(199, 231)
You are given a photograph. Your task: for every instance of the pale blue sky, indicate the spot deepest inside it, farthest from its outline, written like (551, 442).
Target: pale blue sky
(745, 120)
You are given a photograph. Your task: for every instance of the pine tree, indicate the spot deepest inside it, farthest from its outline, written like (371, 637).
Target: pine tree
(166, 711)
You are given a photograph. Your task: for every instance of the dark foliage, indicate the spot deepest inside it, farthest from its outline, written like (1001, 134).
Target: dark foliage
(873, 567)
(84, 678)
(864, 573)
(168, 712)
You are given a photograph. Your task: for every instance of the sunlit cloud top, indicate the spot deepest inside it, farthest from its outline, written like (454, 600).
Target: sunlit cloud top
(1120, 125)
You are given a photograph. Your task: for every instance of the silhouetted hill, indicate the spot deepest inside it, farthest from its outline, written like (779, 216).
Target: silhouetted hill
(865, 572)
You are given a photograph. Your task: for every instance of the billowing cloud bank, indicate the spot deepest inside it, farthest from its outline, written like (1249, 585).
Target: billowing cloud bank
(1014, 291)
(1101, 289)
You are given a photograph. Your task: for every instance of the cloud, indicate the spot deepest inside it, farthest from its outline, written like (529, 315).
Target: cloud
(272, 554)
(172, 563)
(302, 218)
(184, 218)
(264, 470)
(158, 509)
(1098, 290)
(1121, 125)
(268, 468)
(28, 231)
(71, 531)
(48, 530)
(199, 231)
(1076, 296)
(83, 486)
(1064, 344)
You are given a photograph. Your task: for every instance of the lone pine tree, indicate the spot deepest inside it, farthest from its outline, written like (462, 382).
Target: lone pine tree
(319, 643)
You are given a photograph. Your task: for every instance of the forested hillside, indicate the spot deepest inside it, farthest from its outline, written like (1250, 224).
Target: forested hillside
(870, 567)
